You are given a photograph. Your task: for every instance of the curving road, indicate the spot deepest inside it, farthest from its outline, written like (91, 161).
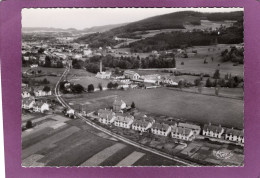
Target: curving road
(64, 104)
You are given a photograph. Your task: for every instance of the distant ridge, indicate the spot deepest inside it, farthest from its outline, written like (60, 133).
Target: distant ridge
(176, 20)
(94, 29)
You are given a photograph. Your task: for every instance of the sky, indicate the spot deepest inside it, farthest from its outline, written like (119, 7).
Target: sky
(81, 18)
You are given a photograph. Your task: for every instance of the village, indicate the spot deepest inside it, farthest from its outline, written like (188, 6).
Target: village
(184, 105)
(118, 115)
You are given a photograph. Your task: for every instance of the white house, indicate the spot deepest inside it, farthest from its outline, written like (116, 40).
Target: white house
(212, 130)
(87, 52)
(123, 85)
(27, 103)
(195, 128)
(169, 81)
(42, 59)
(70, 113)
(118, 105)
(142, 124)
(25, 93)
(24, 85)
(77, 56)
(103, 75)
(34, 65)
(182, 133)
(123, 121)
(40, 107)
(40, 92)
(234, 135)
(131, 74)
(106, 116)
(160, 129)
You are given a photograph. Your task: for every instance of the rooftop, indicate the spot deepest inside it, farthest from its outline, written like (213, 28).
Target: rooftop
(235, 132)
(159, 126)
(189, 125)
(181, 130)
(213, 128)
(126, 119)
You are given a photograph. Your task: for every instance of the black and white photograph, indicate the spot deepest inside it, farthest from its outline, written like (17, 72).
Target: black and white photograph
(132, 87)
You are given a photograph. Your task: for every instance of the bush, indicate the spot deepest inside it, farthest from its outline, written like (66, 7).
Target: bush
(133, 105)
(90, 88)
(216, 75)
(77, 88)
(208, 83)
(110, 85)
(29, 124)
(46, 89)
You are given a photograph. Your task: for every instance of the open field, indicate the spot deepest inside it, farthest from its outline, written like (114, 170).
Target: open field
(85, 78)
(194, 64)
(205, 24)
(80, 144)
(73, 146)
(189, 106)
(45, 70)
(236, 93)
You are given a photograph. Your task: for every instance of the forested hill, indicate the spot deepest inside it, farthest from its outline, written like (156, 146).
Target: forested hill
(178, 19)
(175, 20)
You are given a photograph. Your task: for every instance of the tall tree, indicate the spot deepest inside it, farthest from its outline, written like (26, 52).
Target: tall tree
(216, 75)
(133, 105)
(90, 88)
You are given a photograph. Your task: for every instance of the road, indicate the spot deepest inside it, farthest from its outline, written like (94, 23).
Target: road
(130, 142)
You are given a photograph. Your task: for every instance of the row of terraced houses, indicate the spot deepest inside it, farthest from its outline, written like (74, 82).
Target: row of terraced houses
(182, 131)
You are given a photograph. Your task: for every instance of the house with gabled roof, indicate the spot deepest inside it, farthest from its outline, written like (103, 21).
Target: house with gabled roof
(195, 128)
(124, 121)
(118, 105)
(160, 129)
(212, 130)
(131, 74)
(182, 133)
(25, 93)
(41, 107)
(106, 116)
(27, 103)
(143, 124)
(38, 92)
(234, 135)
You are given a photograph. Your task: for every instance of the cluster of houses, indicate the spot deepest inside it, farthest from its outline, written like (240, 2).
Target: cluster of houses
(37, 92)
(31, 104)
(180, 130)
(130, 78)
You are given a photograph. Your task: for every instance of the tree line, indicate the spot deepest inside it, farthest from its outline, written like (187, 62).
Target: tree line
(92, 65)
(178, 39)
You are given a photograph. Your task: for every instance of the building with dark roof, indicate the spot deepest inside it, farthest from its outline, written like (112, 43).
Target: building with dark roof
(212, 130)
(27, 103)
(118, 105)
(124, 121)
(195, 128)
(182, 133)
(131, 74)
(143, 124)
(160, 129)
(106, 116)
(234, 135)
